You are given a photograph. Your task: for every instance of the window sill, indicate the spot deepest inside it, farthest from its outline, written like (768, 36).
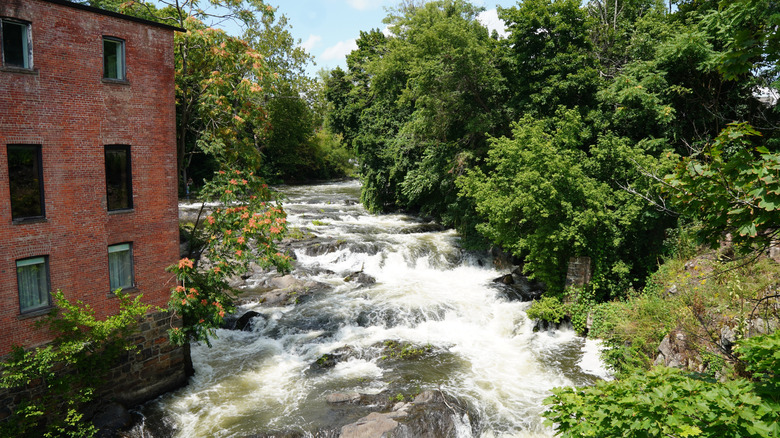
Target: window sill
(115, 81)
(35, 313)
(123, 211)
(22, 70)
(128, 291)
(29, 220)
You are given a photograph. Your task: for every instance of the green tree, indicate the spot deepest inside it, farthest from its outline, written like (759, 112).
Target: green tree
(549, 57)
(549, 193)
(416, 106)
(731, 186)
(243, 228)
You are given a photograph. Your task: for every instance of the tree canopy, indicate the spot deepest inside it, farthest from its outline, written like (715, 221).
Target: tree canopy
(554, 141)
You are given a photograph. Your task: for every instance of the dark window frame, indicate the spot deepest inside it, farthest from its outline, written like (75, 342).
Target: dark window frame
(48, 304)
(121, 61)
(128, 183)
(128, 249)
(26, 44)
(41, 194)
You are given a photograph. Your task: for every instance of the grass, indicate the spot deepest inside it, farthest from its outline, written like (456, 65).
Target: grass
(699, 297)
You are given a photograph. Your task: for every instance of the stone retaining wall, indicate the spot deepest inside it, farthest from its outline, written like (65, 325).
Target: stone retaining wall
(152, 369)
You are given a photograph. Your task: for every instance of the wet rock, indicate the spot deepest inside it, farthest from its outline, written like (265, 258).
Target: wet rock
(360, 277)
(318, 248)
(244, 323)
(541, 325)
(370, 248)
(374, 425)
(516, 286)
(430, 227)
(284, 291)
(431, 414)
(111, 418)
(325, 361)
(342, 397)
(285, 282)
(329, 360)
(504, 279)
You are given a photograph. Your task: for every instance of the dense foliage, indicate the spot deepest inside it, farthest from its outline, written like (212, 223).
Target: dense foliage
(666, 402)
(554, 141)
(733, 186)
(613, 130)
(60, 378)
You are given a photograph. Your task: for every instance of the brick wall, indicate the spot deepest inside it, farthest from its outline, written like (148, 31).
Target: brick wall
(65, 106)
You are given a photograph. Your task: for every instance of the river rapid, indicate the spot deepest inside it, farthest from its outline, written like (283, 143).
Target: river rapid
(479, 346)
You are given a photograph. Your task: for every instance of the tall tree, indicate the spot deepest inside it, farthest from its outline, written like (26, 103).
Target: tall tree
(417, 104)
(549, 58)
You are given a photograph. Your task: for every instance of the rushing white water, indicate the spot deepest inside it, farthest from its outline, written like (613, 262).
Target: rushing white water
(427, 292)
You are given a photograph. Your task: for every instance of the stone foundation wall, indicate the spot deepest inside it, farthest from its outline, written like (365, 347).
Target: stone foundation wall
(154, 368)
(578, 273)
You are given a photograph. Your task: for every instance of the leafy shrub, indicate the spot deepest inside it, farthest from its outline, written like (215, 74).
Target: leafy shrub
(549, 309)
(666, 402)
(65, 373)
(761, 354)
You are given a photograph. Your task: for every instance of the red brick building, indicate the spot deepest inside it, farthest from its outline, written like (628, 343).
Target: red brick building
(88, 190)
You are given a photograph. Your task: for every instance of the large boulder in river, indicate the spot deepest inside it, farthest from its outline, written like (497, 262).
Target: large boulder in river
(430, 415)
(517, 286)
(283, 291)
(245, 321)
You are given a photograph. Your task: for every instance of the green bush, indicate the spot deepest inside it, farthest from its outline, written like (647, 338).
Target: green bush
(66, 372)
(666, 402)
(549, 309)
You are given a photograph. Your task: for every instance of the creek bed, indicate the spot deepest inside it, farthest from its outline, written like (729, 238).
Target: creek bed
(424, 292)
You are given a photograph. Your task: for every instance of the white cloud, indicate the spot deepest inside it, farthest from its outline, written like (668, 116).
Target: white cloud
(311, 42)
(339, 51)
(362, 5)
(490, 20)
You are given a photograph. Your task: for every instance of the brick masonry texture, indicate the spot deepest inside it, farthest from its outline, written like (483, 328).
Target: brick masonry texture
(65, 106)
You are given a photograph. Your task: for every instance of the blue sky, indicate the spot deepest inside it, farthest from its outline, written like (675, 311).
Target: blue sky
(327, 29)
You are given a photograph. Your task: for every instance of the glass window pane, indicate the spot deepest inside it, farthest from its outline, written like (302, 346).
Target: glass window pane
(113, 59)
(120, 266)
(26, 181)
(119, 192)
(15, 49)
(33, 281)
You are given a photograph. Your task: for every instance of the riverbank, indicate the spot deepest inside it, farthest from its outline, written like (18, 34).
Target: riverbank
(690, 315)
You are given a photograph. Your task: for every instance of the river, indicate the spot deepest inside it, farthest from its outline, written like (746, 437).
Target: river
(479, 346)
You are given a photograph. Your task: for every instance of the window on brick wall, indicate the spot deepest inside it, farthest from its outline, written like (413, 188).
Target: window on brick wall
(120, 266)
(119, 187)
(17, 47)
(32, 277)
(113, 58)
(25, 177)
